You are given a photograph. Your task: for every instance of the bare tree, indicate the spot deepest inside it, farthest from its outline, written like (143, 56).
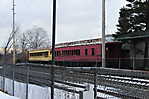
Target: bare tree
(23, 43)
(34, 38)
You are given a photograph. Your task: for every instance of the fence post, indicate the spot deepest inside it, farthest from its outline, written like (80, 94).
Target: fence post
(95, 84)
(80, 95)
(13, 75)
(27, 81)
(119, 63)
(3, 78)
(133, 64)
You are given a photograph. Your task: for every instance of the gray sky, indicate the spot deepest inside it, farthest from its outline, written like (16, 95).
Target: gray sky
(76, 19)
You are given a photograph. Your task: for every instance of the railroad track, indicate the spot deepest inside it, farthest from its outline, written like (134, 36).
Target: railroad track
(129, 83)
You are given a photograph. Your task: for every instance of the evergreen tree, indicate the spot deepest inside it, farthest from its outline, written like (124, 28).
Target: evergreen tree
(134, 17)
(123, 26)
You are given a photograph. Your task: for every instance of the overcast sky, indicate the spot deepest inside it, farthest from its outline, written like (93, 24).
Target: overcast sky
(76, 19)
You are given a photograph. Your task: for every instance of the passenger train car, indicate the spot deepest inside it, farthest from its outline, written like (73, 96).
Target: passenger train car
(41, 55)
(78, 53)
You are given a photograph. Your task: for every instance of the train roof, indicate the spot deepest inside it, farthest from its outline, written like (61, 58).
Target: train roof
(79, 43)
(38, 50)
(109, 39)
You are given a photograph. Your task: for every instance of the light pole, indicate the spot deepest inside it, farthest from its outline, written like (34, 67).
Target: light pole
(53, 48)
(14, 48)
(13, 31)
(103, 48)
(103, 34)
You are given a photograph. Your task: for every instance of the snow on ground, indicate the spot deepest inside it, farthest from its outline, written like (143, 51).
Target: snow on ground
(38, 92)
(61, 94)
(90, 93)
(6, 96)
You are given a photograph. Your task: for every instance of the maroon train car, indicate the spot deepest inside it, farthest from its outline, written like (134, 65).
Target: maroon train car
(86, 52)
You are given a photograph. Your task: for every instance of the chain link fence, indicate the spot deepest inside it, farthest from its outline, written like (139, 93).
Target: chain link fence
(23, 76)
(128, 63)
(75, 82)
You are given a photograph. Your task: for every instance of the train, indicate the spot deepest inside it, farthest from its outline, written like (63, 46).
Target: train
(80, 53)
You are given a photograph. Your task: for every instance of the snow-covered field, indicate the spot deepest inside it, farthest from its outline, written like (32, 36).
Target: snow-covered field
(6, 96)
(38, 92)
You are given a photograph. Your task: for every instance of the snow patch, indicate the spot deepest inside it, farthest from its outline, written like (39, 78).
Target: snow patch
(6, 96)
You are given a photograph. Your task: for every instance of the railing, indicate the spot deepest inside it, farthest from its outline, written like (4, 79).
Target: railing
(128, 63)
(31, 74)
(121, 82)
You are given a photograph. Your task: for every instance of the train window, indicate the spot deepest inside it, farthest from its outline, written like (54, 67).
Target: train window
(31, 54)
(66, 52)
(58, 53)
(78, 52)
(63, 53)
(93, 51)
(45, 54)
(86, 52)
(39, 54)
(71, 52)
(74, 53)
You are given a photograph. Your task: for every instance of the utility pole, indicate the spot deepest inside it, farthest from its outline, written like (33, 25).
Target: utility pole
(13, 31)
(103, 34)
(53, 48)
(14, 48)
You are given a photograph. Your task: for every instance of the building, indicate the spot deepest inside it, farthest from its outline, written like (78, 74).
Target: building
(138, 45)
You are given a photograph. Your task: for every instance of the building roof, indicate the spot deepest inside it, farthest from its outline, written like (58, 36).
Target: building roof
(134, 35)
